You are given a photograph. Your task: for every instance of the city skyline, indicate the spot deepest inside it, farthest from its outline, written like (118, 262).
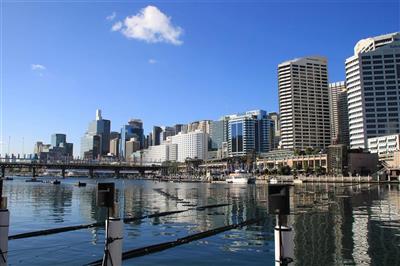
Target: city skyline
(214, 77)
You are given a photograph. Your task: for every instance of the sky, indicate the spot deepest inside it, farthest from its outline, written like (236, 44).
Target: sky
(164, 62)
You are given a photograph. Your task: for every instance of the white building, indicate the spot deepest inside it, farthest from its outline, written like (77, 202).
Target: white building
(384, 146)
(157, 154)
(372, 79)
(193, 145)
(304, 103)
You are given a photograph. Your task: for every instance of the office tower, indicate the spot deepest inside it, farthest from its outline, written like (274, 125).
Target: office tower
(156, 135)
(373, 79)
(339, 113)
(304, 103)
(114, 146)
(57, 139)
(90, 146)
(101, 128)
(192, 145)
(166, 132)
(277, 130)
(131, 146)
(134, 129)
(114, 135)
(217, 134)
(179, 128)
(248, 133)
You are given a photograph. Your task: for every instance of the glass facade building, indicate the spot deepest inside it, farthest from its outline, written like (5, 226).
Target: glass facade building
(249, 133)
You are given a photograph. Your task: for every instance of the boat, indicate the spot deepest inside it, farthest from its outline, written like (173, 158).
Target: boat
(81, 184)
(240, 177)
(34, 179)
(273, 180)
(9, 178)
(56, 182)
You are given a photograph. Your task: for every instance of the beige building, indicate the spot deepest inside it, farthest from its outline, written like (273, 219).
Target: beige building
(304, 103)
(339, 113)
(384, 146)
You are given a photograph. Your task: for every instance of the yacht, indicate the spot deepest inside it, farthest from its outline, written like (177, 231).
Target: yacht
(240, 177)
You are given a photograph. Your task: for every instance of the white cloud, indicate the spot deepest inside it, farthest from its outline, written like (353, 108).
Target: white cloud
(112, 16)
(117, 26)
(150, 25)
(38, 67)
(152, 61)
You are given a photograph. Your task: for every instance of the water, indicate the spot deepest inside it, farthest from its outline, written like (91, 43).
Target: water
(334, 225)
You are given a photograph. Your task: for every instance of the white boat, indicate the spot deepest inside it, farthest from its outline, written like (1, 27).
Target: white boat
(240, 177)
(273, 180)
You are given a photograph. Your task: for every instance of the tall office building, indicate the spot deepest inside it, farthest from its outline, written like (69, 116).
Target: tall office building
(57, 139)
(249, 133)
(217, 134)
(304, 103)
(134, 129)
(166, 132)
(339, 113)
(101, 128)
(156, 135)
(276, 136)
(373, 84)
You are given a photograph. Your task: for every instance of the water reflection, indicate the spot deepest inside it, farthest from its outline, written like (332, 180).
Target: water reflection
(333, 225)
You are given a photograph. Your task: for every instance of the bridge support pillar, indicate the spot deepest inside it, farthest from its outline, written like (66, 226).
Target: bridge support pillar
(3, 172)
(117, 174)
(34, 172)
(141, 172)
(91, 173)
(63, 172)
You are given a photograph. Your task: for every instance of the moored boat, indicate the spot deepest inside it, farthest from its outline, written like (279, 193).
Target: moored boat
(240, 177)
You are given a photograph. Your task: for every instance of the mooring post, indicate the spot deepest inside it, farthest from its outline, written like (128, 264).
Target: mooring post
(33, 172)
(91, 174)
(4, 225)
(279, 204)
(114, 225)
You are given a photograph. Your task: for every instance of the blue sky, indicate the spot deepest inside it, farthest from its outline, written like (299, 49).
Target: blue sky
(61, 61)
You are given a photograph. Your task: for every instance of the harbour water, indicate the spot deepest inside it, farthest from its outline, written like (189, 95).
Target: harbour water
(341, 224)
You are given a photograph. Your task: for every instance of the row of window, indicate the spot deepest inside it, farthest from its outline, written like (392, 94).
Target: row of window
(383, 115)
(386, 61)
(381, 99)
(380, 88)
(388, 82)
(379, 93)
(383, 120)
(380, 56)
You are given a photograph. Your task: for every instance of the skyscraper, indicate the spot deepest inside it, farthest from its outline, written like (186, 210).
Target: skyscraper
(373, 79)
(304, 103)
(101, 128)
(156, 135)
(277, 130)
(57, 139)
(339, 113)
(217, 134)
(134, 129)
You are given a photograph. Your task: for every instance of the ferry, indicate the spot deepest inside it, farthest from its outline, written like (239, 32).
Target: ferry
(240, 177)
